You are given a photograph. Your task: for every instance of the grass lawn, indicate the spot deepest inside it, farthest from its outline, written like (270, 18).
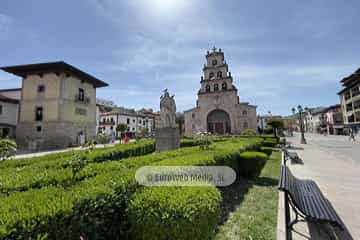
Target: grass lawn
(250, 206)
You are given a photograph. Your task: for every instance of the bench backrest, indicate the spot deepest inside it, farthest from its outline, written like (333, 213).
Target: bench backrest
(307, 197)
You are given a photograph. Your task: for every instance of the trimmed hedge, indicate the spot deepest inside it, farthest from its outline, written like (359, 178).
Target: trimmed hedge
(271, 142)
(266, 150)
(97, 207)
(251, 163)
(182, 213)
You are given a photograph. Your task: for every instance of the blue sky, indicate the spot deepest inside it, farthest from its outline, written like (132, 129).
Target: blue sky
(281, 53)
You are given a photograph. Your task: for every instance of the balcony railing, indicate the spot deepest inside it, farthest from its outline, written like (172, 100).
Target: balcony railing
(82, 99)
(106, 123)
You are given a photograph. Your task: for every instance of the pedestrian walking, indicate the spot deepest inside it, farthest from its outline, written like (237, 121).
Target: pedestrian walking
(352, 135)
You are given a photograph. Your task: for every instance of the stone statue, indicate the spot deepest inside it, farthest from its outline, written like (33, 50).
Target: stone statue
(167, 134)
(167, 111)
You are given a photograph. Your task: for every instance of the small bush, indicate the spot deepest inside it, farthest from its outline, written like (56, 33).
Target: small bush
(180, 213)
(270, 142)
(248, 132)
(267, 150)
(251, 163)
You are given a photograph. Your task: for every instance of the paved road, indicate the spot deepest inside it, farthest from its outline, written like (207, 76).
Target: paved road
(333, 162)
(338, 146)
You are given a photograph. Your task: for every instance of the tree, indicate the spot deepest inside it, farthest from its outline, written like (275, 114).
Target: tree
(276, 124)
(102, 138)
(6, 147)
(122, 127)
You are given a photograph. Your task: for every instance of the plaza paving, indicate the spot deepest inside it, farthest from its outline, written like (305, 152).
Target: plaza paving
(333, 162)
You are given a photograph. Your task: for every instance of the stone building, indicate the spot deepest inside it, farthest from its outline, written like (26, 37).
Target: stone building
(57, 105)
(9, 108)
(350, 101)
(218, 109)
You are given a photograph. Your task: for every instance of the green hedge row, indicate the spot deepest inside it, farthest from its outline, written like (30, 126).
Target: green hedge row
(266, 150)
(97, 207)
(93, 207)
(46, 170)
(188, 212)
(270, 143)
(28, 177)
(251, 163)
(162, 213)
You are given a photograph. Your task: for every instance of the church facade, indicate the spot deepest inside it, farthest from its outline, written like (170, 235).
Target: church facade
(218, 108)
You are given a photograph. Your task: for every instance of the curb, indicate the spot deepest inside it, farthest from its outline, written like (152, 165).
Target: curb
(281, 223)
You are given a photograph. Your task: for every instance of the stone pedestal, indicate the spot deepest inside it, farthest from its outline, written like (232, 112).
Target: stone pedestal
(167, 139)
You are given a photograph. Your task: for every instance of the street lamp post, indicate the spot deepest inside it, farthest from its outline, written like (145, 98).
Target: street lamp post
(303, 140)
(292, 122)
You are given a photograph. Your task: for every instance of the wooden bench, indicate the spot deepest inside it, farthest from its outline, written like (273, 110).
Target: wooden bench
(307, 201)
(293, 156)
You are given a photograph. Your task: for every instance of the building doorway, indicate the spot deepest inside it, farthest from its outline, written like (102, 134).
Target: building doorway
(218, 122)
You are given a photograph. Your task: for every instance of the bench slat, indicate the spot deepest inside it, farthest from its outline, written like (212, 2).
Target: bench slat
(308, 198)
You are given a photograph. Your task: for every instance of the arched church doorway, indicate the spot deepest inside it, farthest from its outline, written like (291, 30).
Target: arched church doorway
(218, 122)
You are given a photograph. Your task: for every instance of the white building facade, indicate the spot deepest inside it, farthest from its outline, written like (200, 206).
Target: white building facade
(9, 109)
(136, 121)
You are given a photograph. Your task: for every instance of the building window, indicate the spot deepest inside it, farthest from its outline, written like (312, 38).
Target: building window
(140, 121)
(355, 91)
(112, 120)
(39, 114)
(38, 128)
(224, 86)
(41, 88)
(219, 74)
(347, 95)
(111, 128)
(128, 120)
(211, 75)
(193, 115)
(81, 94)
(244, 112)
(216, 87)
(356, 105)
(103, 120)
(349, 107)
(246, 125)
(133, 129)
(1, 109)
(214, 62)
(133, 120)
(351, 118)
(207, 88)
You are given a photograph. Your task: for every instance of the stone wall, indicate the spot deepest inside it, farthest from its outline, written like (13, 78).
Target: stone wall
(53, 135)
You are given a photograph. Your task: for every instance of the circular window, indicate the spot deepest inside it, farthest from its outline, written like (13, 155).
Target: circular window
(214, 62)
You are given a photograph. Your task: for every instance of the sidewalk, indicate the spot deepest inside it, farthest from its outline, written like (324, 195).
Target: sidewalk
(39, 154)
(334, 165)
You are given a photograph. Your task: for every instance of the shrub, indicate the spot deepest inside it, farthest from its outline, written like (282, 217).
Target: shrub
(123, 151)
(248, 132)
(266, 150)
(270, 142)
(163, 213)
(102, 138)
(187, 142)
(251, 163)
(98, 206)
(7, 146)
